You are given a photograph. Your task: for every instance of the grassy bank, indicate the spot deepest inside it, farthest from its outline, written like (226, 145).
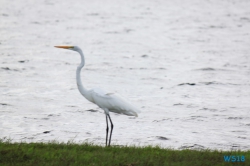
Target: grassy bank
(86, 154)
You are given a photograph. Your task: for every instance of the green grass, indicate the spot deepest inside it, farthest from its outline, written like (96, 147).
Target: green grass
(89, 154)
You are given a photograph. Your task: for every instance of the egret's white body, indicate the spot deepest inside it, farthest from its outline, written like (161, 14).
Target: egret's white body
(112, 102)
(109, 102)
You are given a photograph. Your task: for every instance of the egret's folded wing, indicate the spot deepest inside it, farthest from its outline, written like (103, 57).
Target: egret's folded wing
(114, 102)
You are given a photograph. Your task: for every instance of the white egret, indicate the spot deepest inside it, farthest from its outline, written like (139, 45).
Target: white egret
(109, 102)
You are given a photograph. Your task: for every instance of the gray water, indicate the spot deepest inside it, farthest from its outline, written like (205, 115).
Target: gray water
(185, 64)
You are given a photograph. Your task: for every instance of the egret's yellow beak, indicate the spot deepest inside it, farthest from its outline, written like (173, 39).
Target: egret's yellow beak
(65, 47)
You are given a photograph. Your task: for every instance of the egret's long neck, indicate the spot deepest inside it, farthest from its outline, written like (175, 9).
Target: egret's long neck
(82, 90)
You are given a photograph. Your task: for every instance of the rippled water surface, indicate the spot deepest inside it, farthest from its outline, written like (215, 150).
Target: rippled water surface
(185, 64)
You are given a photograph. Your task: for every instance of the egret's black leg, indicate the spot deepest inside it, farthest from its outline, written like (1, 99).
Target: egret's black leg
(107, 130)
(111, 129)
